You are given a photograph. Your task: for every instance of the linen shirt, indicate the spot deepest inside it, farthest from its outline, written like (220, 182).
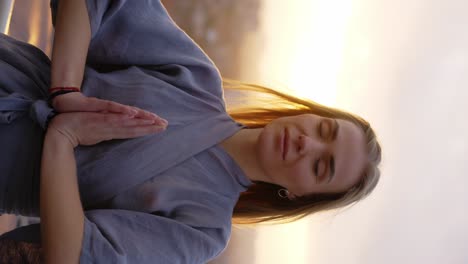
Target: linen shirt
(163, 198)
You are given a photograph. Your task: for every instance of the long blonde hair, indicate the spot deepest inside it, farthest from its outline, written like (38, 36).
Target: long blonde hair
(260, 202)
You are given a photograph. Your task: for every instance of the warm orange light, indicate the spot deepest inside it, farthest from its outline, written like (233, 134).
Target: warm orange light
(34, 23)
(308, 58)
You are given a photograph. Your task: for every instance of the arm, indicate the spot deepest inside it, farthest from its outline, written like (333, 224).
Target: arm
(62, 217)
(113, 236)
(71, 43)
(69, 53)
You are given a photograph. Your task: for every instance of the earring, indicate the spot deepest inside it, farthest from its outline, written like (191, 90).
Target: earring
(283, 193)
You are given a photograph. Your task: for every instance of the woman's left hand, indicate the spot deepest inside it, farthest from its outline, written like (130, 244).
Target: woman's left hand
(78, 102)
(88, 128)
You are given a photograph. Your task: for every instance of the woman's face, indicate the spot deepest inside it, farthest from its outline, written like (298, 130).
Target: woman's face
(312, 154)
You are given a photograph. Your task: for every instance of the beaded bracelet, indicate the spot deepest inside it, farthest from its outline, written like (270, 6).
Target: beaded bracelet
(56, 91)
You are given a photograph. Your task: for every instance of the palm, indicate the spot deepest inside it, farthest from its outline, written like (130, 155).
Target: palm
(77, 102)
(76, 127)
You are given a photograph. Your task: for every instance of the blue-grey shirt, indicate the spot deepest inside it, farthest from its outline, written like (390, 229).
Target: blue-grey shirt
(163, 198)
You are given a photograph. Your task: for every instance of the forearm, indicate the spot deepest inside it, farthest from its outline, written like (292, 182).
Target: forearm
(71, 43)
(62, 217)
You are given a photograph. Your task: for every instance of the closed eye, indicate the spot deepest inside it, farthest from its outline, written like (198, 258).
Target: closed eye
(332, 168)
(316, 167)
(325, 128)
(321, 168)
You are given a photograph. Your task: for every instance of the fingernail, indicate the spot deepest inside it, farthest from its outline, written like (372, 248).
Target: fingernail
(161, 128)
(164, 121)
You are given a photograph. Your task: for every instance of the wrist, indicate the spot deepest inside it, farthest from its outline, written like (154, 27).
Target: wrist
(55, 92)
(55, 137)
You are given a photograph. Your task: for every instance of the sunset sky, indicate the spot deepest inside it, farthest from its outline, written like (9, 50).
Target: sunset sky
(403, 66)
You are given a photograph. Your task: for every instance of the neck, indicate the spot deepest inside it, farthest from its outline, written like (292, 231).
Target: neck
(242, 148)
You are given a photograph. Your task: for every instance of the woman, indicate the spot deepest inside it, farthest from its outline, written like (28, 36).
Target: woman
(166, 195)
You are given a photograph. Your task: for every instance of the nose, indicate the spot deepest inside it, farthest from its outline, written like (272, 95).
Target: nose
(307, 144)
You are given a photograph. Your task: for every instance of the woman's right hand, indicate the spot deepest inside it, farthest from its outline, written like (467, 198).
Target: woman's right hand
(78, 102)
(88, 128)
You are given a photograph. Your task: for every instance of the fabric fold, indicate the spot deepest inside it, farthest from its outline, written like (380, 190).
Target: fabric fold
(16, 105)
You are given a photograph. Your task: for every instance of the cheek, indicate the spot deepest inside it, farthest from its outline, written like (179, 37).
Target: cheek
(262, 147)
(265, 153)
(301, 179)
(267, 146)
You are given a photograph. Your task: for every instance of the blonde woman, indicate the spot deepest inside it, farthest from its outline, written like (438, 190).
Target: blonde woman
(115, 183)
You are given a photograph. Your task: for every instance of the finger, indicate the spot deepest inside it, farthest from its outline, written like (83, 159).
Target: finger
(139, 122)
(144, 114)
(134, 132)
(118, 126)
(148, 115)
(112, 107)
(119, 120)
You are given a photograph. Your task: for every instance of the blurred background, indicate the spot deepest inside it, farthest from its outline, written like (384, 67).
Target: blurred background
(401, 64)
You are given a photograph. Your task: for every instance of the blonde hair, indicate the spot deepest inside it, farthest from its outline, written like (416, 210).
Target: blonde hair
(260, 203)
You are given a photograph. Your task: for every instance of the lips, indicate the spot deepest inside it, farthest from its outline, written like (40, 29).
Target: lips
(285, 143)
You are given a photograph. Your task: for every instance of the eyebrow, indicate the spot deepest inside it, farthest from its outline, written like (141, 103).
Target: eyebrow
(332, 159)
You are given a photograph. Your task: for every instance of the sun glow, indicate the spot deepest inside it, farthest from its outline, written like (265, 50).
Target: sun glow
(308, 58)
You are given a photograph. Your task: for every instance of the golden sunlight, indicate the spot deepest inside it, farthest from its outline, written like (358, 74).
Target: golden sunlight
(305, 46)
(34, 25)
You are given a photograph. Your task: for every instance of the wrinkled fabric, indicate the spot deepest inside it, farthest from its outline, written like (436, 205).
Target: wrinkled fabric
(24, 79)
(16, 105)
(163, 198)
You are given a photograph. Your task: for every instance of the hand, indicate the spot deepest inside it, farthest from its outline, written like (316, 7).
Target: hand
(88, 128)
(78, 102)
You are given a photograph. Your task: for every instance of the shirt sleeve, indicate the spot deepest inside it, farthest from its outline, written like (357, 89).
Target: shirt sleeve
(120, 236)
(127, 32)
(99, 11)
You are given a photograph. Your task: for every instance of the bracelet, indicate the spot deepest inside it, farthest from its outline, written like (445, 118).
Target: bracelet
(56, 91)
(74, 89)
